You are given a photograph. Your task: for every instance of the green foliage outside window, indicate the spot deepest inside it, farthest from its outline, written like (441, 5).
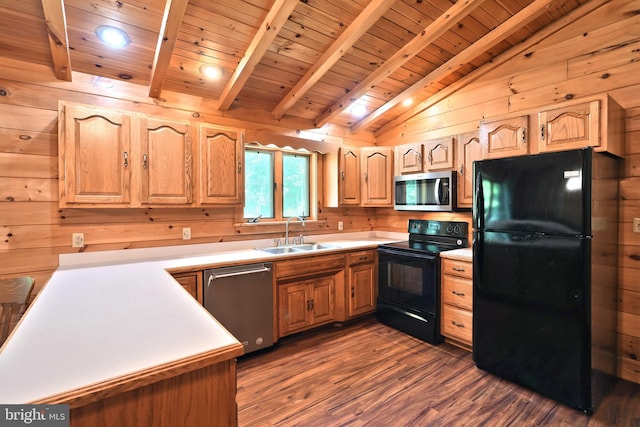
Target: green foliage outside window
(258, 184)
(260, 178)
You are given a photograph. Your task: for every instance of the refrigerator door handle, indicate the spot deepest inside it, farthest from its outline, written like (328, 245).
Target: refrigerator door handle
(478, 213)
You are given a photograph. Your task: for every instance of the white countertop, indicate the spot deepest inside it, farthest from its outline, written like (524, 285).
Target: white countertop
(463, 254)
(107, 314)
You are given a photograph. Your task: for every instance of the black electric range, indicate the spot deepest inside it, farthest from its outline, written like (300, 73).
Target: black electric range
(409, 277)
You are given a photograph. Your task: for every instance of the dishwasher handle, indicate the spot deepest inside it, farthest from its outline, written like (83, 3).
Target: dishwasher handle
(238, 273)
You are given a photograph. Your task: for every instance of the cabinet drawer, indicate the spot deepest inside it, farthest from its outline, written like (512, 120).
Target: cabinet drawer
(457, 268)
(361, 257)
(311, 266)
(457, 291)
(457, 323)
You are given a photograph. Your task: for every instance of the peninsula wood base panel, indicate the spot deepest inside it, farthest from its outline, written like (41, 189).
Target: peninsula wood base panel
(203, 397)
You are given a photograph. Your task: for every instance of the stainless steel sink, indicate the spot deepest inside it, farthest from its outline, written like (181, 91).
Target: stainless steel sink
(313, 246)
(279, 249)
(296, 248)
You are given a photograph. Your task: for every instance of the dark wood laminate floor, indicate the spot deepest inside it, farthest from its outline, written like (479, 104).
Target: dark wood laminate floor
(368, 374)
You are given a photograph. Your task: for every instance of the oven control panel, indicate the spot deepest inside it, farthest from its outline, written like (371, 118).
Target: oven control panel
(438, 228)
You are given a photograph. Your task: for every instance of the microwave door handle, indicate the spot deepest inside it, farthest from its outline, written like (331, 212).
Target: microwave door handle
(437, 190)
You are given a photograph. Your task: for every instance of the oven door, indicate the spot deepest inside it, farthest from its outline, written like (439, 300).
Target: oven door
(409, 279)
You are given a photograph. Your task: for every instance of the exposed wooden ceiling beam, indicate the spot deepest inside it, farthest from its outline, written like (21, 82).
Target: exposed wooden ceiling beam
(352, 34)
(172, 20)
(441, 25)
(504, 30)
(267, 32)
(518, 49)
(58, 40)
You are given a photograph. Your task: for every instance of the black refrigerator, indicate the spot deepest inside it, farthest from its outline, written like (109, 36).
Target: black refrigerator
(545, 272)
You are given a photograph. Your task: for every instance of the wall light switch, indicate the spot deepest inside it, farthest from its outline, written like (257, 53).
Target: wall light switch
(77, 240)
(340, 225)
(636, 225)
(186, 234)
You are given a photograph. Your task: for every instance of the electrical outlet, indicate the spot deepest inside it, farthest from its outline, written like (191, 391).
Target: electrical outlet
(186, 234)
(340, 225)
(636, 225)
(77, 240)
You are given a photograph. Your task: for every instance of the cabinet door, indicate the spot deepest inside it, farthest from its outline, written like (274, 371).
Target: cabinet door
(349, 180)
(504, 137)
(409, 158)
(376, 165)
(569, 127)
(361, 289)
(438, 154)
(295, 307)
(322, 302)
(221, 166)
(468, 150)
(95, 156)
(192, 282)
(167, 162)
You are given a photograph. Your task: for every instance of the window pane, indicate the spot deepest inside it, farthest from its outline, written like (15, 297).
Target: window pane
(258, 184)
(295, 176)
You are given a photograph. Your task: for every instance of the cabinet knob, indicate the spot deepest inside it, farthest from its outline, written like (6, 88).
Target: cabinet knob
(239, 168)
(353, 292)
(126, 159)
(456, 324)
(144, 161)
(542, 133)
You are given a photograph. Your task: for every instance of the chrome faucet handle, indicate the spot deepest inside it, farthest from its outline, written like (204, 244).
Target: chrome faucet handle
(276, 242)
(301, 240)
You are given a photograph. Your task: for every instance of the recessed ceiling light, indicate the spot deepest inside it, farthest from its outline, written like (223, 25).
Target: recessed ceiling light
(358, 110)
(407, 102)
(210, 71)
(112, 36)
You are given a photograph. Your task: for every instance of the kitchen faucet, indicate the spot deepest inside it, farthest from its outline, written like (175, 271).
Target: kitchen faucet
(286, 228)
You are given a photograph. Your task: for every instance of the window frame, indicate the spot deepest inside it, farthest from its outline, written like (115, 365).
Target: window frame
(278, 153)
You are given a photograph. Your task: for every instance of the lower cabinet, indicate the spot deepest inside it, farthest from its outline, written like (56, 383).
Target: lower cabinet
(192, 282)
(362, 273)
(310, 292)
(305, 304)
(457, 302)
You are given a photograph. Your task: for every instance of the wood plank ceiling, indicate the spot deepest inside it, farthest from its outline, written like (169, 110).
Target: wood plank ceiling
(311, 59)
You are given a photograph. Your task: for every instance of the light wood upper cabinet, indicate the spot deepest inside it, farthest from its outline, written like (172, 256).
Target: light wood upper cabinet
(408, 158)
(221, 153)
(167, 162)
(438, 154)
(349, 176)
(468, 149)
(504, 137)
(94, 156)
(597, 123)
(376, 165)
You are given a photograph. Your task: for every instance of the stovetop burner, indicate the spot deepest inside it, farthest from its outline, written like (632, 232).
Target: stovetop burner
(431, 236)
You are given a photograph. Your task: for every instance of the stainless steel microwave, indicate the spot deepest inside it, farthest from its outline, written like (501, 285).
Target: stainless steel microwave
(433, 191)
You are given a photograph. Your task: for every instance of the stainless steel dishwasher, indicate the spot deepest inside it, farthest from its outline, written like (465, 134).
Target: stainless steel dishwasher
(241, 299)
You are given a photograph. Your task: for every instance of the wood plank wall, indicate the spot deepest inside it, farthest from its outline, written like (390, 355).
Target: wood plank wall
(599, 53)
(35, 231)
